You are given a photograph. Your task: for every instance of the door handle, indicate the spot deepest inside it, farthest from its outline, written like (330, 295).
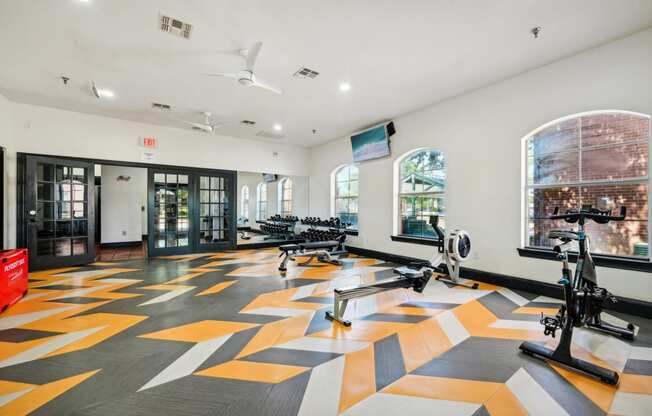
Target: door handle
(32, 215)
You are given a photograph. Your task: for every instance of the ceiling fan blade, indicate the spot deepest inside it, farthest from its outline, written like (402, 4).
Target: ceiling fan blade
(252, 55)
(190, 123)
(223, 75)
(265, 85)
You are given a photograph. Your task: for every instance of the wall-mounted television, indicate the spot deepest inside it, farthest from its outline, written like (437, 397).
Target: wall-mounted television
(372, 143)
(269, 177)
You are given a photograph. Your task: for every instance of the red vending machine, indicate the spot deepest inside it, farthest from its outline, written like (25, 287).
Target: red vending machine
(13, 277)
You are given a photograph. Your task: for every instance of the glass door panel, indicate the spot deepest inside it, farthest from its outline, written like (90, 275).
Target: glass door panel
(169, 212)
(59, 204)
(216, 213)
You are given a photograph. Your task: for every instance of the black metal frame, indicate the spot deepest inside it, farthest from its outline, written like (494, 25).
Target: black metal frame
(21, 221)
(194, 245)
(578, 309)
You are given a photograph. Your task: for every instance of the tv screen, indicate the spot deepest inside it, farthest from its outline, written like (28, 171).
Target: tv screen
(370, 144)
(269, 177)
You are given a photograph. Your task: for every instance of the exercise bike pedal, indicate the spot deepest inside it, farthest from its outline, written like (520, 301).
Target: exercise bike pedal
(551, 325)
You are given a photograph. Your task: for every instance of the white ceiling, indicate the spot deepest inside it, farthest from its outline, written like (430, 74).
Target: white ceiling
(398, 56)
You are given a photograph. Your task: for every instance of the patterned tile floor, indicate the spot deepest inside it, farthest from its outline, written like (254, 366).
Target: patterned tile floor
(224, 334)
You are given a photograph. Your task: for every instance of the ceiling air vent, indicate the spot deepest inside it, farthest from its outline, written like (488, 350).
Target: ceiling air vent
(161, 107)
(267, 135)
(306, 73)
(248, 122)
(175, 26)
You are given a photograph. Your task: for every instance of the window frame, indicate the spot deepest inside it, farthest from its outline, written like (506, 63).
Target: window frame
(281, 195)
(527, 250)
(398, 194)
(335, 196)
(260, 201)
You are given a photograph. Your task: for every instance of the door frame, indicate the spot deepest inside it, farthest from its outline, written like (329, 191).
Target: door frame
(21, 224)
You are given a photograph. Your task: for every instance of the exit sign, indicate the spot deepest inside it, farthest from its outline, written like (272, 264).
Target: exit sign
(149, 142)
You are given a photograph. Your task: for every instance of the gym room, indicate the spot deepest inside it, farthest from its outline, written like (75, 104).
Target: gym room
(221, 207)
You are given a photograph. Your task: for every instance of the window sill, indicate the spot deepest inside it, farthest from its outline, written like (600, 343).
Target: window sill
(601, 260)
(416, 240)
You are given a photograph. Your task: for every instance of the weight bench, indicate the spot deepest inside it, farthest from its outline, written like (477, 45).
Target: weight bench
(325, 251)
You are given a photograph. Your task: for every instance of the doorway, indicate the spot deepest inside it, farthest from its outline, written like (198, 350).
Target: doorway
(121, 212)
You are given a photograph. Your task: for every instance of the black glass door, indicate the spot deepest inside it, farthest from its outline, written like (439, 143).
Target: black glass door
(170, 203)
(59, 208)
(190, 211)
(216, 212)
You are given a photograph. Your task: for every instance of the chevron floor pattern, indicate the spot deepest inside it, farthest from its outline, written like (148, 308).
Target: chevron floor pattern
(225, 334)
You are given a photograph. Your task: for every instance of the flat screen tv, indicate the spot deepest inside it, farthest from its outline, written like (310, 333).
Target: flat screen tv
(269, 177)
(370, 144)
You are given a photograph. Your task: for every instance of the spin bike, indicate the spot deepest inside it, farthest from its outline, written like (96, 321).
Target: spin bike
(454, 249)
(583, 298)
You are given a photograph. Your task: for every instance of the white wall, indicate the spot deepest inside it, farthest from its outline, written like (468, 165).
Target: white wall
(480, 133)
(5, 132)
(51, 131)
(122, 217)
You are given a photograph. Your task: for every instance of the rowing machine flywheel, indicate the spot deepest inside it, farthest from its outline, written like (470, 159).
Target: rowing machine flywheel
(458, 244)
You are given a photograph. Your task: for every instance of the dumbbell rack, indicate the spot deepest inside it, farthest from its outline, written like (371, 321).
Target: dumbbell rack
(277, 227)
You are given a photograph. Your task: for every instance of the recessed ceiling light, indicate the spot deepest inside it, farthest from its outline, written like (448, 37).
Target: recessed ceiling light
(278, 127)
(345, 86)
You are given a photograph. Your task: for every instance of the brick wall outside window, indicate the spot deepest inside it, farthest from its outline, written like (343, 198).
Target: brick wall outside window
(601, 160)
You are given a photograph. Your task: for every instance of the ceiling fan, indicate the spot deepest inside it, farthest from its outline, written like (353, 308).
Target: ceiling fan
(246, 76)
(207, 126)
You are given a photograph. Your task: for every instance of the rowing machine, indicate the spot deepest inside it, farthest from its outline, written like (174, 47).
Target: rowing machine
(452, 250)
(413, 277)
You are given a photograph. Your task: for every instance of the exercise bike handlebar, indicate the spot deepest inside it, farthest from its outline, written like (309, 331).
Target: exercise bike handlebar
(599, 216)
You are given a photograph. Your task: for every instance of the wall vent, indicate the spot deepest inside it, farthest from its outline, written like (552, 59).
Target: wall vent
(161, 107)
(175, 26)
(306, 73)
(268, 135)
(248, 122)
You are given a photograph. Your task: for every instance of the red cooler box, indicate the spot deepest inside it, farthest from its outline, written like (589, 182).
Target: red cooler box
(13, 277)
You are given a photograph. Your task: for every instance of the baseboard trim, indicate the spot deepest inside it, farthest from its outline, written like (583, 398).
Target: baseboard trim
(122, 244)
(624, 305)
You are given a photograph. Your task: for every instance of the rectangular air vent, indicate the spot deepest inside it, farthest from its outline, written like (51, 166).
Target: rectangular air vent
(161, 107)
(248, 122)
(268, 135)
(306, 73)
(175, 26)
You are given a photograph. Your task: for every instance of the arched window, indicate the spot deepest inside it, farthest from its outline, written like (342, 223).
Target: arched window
(421, 186)
(261, 190)
(345, 194)
(244, 210)
(285, 197)
(598, 159)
